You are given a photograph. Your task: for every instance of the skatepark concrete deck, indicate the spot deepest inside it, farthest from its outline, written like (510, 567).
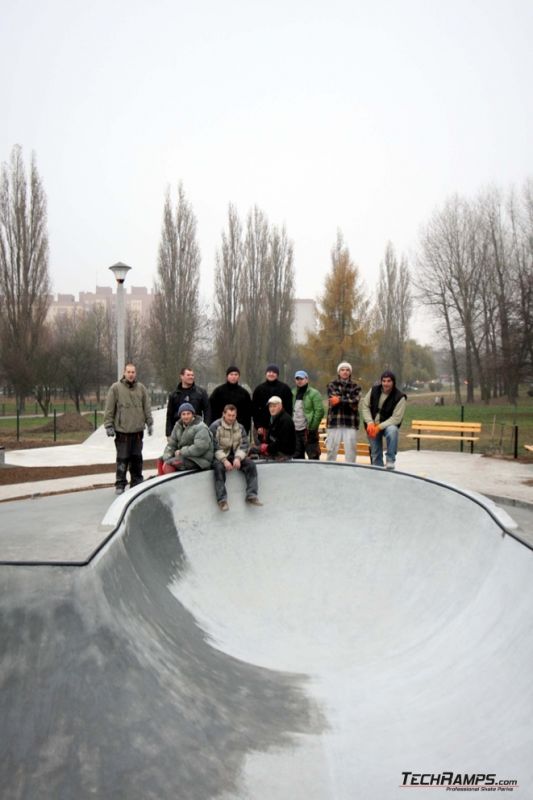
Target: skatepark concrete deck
(362, 625)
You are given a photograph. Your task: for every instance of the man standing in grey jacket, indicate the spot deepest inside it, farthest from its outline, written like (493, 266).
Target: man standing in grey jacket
(127, 411)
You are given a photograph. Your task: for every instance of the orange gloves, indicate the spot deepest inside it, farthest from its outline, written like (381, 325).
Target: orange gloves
(334, 400)
(372, 430)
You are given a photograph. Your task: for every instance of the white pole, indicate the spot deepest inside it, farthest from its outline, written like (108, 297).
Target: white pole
(120, 271)
(121, 357)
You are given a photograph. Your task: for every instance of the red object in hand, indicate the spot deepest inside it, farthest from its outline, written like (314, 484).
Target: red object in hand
(263, 449)
(334, 400)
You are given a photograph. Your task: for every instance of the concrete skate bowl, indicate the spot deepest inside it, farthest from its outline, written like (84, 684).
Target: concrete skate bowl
(362, 625)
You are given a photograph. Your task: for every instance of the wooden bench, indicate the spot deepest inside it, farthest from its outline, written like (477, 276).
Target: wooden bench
(443, 430)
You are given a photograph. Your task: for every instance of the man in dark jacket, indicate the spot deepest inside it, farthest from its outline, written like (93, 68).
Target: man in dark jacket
(232, 393)
(281, 435)
(271, 387)
(186, 392)
(383, 409)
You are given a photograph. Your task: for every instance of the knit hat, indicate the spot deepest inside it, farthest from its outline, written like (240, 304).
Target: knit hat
(301, 373)
(232, 369)
(272, 368)
(186, 407)
(344, 364)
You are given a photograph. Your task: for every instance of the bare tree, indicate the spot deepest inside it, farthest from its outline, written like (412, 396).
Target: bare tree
(24, 278)
(521, 217)
(393, 311)
(229, 276)
(450, 270)
(254, 297)
(279, 296)
(75, 339)
(174, 314)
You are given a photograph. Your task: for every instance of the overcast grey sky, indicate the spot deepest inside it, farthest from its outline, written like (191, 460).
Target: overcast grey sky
(340, 114)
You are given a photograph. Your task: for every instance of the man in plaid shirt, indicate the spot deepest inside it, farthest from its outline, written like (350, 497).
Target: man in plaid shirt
(343, 414)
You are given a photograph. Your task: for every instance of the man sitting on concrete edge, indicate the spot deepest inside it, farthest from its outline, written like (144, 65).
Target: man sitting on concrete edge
(190, 445)
(281, 436)
(383, 410)
(231, 450)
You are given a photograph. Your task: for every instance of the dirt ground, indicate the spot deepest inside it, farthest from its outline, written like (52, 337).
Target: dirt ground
(10, 474)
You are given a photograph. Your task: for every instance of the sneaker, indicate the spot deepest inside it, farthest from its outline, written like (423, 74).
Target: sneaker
(119, 490)
(223, 505)
(254, 501)
(390, 465)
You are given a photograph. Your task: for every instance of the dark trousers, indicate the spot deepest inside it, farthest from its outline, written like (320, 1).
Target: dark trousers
(249, 471)
(307, 442)
(129, 456)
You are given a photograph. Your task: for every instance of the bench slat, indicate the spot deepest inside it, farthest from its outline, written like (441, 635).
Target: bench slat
(438, 436)
(445, 425)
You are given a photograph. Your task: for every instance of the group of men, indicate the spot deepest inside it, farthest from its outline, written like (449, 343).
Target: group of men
(205, 432)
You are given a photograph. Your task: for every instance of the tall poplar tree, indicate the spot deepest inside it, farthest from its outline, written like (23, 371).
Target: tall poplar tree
(24, 277)
(393, 311)
(175, 314)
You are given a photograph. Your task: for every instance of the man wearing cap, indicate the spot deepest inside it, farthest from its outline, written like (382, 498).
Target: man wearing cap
(383, 409)
(308, 410)
(232, 393)
(271, 387)
(186, 392)
(343, 414)
(127, 411)
(190, 445)
(231, 451)
(281, 437)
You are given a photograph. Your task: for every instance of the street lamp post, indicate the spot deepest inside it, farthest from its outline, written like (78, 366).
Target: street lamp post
(120, 271)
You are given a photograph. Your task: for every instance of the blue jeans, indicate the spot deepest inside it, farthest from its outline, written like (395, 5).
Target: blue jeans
(248, 469)
(390, 433)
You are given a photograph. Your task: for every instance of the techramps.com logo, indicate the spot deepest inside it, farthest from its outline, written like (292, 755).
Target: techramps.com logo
(458, 781)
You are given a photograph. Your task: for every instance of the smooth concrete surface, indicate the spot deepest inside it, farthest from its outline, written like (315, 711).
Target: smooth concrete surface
(64, 528)
(98, 448)
(361, 624)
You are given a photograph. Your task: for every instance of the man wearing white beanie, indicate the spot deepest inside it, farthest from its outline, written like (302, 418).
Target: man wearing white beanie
(343, 414)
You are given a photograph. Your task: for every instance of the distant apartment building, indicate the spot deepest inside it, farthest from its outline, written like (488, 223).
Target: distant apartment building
(304, 320)
(138, 301)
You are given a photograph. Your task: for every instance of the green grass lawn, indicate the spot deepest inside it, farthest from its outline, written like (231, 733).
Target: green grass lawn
(29, 429)
(497, 420)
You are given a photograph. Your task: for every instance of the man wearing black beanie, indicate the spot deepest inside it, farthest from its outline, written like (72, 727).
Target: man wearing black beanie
(232, 393)
(383, 410)
(271, 387)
